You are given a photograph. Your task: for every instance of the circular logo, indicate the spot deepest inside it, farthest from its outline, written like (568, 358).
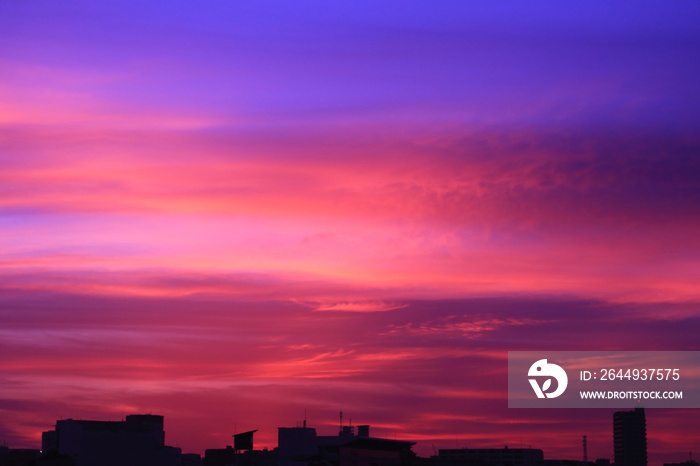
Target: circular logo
(545, 371)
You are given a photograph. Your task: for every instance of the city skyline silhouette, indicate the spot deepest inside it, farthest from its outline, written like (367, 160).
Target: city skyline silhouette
(141, 438)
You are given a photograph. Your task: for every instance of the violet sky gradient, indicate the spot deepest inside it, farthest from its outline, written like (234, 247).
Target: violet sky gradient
(228, 212)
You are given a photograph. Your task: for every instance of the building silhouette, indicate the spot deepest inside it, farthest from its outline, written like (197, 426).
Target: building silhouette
(630, 438)
(231, 456)
(137, 441)
(244, 440)
(488, 457)
(17, 456)
(301, 446)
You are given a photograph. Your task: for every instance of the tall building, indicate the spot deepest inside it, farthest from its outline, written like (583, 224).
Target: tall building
(137, 441)
(630, 438)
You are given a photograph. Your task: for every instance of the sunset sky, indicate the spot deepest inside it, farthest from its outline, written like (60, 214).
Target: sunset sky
(230, 212)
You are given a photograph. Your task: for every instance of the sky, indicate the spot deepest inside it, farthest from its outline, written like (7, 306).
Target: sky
(235, 213)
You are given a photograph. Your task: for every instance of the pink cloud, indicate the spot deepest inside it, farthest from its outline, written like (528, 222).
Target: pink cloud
(473, 221)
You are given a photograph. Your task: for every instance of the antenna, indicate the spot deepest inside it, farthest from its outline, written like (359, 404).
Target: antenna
(304, 417)
(585, 449)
